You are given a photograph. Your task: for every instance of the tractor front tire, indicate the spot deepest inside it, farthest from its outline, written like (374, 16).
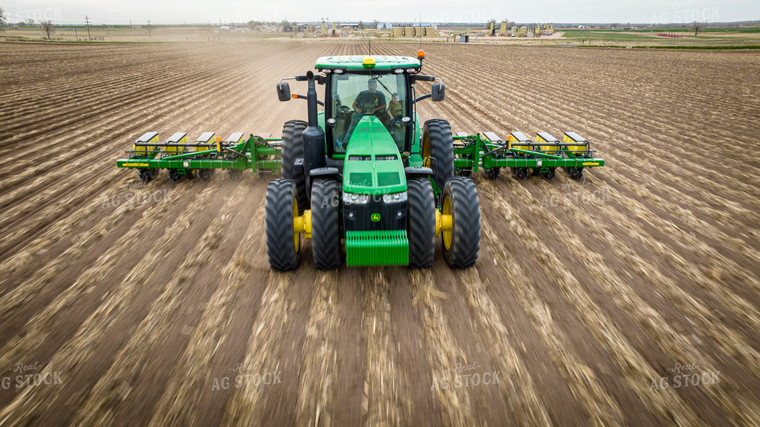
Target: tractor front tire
(421, 223)
(438, 144)
(462, 244)
(283, 243)
(292, 149)
(325, 224)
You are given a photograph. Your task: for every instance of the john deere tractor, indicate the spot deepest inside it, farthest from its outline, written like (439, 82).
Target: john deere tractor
(362, 179)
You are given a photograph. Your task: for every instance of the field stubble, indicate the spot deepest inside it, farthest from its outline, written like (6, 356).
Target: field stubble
(584, 297)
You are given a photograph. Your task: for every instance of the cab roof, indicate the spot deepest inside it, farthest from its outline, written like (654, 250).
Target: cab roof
(356, 62)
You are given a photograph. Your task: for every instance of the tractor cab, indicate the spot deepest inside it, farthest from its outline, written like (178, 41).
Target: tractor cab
(369, 92)
(353, 98)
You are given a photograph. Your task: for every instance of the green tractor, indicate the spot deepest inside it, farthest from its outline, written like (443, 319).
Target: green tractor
(362, 179)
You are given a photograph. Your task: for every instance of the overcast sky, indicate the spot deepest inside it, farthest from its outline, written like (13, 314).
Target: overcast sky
(203, 11)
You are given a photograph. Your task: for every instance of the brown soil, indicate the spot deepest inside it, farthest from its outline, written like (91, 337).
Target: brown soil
(585, 294)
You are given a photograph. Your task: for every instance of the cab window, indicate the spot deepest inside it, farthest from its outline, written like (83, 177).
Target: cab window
(357, 95)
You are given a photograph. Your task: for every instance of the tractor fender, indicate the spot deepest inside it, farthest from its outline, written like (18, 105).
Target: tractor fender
(418, 172)
(324, 172)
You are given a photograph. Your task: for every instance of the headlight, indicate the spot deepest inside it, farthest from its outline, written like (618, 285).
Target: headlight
(394, 198)
(355, 199)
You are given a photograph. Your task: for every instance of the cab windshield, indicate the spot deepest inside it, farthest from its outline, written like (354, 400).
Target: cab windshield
(355, 96)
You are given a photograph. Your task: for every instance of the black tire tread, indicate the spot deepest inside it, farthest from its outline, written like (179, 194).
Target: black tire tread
(279, 225)
(292, 149)
(325, 224)
(465, 210)
(438, 134)
(421, 223)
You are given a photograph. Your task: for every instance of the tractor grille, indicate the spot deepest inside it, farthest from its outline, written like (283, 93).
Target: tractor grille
(378, 247)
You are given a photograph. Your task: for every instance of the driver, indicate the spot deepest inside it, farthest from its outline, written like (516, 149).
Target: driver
(368, 102)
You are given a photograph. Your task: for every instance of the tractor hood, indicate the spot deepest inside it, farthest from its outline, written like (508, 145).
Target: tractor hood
(372, 163)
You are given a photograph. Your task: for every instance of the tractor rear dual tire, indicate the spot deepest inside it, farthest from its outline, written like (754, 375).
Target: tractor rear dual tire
(421, 223)
(292, 149)
(325, 224)
(283, 244)
(438, 144)
(460, 200)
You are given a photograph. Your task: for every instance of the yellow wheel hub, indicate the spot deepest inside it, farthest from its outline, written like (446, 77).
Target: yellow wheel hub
(444, 223)
(301, 224)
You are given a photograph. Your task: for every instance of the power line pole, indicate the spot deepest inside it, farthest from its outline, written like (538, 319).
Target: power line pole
(148, 28)
(87, 19)
(420, 30)
(76, 35)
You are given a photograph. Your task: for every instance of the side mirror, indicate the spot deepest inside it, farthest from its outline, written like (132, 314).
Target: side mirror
(439, 91)
(283, 91)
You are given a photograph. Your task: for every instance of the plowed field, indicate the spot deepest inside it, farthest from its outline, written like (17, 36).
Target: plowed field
(630, 297)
